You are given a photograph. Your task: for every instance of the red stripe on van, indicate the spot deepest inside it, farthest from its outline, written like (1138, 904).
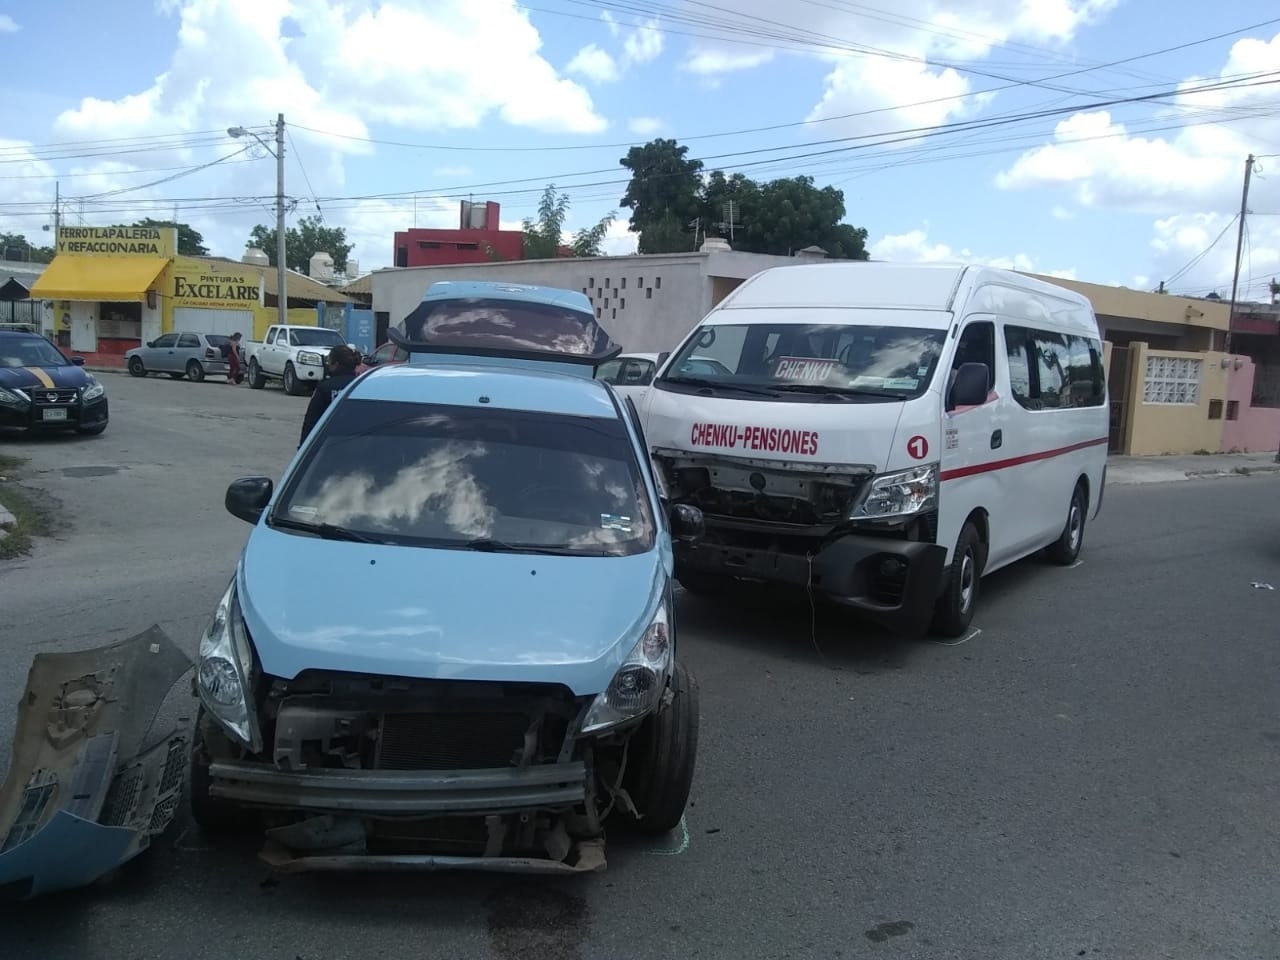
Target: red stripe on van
(959, 472)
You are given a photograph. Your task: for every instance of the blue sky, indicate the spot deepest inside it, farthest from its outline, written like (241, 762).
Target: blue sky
(398, 108)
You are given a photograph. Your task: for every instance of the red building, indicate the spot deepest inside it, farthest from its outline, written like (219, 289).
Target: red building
(478, 239)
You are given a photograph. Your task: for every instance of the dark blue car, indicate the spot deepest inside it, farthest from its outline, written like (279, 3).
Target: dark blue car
(41, 389)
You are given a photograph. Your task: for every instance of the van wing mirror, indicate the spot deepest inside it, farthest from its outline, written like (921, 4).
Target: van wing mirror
(971, 386)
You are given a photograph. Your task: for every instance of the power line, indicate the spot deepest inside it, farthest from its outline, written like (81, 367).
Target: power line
(298, 157)
(1179, 274)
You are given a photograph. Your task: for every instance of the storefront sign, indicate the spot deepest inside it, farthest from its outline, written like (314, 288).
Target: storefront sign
(198, 284)
(161, 242)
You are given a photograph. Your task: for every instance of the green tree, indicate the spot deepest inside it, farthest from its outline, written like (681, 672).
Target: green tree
(302, 242)
(544, 235)
(15, 246)
(665, 189)
(190, 240)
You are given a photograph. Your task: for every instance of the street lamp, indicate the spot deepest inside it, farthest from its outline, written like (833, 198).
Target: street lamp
(282, 296)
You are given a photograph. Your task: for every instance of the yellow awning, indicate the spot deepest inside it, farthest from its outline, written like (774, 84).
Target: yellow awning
(98, 278)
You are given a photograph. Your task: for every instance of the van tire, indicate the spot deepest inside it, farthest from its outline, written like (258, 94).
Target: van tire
(954, 610)
(1066, 549)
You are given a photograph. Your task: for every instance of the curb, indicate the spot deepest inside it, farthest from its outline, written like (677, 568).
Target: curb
(1157, 475)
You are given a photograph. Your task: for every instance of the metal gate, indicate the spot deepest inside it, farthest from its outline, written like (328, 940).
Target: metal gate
(1118, 394)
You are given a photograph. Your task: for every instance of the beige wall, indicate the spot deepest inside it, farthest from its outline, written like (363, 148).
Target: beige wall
(1172, 428)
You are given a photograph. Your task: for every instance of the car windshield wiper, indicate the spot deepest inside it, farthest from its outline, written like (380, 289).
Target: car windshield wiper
(326, 531)
(490, 545)
(709, 384)
(831, 389)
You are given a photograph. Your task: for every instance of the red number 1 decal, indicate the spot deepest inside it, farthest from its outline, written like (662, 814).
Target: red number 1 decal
(918, 447)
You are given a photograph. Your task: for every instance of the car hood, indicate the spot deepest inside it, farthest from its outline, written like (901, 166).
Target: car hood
(67, 377)
(312, 604)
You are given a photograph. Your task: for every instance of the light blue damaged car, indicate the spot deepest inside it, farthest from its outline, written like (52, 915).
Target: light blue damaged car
(450, 640)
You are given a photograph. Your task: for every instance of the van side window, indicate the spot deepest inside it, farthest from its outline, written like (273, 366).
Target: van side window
(1049, 371)
(1016, 347)
(977, 345)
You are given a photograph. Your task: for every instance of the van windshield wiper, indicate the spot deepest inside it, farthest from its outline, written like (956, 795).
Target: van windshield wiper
(831, 389)
(326, 531)
(708, 384)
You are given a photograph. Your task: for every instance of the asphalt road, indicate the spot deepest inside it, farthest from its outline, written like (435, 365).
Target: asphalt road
(1096, 773)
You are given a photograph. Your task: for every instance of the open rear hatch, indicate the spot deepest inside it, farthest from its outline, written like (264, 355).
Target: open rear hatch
(83, 795)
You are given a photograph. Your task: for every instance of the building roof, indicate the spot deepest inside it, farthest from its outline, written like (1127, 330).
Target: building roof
(300, 286)
(359, 287)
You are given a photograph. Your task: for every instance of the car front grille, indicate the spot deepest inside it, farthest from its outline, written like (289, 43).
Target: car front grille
(43, 397)
(450, 741)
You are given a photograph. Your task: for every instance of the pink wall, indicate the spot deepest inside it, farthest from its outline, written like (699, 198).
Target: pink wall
(1257, 428)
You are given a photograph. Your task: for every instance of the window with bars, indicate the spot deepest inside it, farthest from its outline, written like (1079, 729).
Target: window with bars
(1172, 380)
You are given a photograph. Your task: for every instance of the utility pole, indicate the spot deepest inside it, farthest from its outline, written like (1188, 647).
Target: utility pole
(282, 294)
(1235, 278)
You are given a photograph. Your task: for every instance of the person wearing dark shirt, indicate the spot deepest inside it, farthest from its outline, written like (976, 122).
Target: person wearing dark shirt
(341, 366)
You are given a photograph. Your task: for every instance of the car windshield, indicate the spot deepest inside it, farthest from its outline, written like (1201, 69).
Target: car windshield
(29, 352)
(316, 337)
(462, 477)
(876, 361)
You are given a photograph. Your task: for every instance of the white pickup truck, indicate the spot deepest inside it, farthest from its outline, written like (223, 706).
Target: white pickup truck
(294, 355)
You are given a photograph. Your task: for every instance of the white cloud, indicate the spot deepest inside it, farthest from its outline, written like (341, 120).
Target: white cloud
(644, 43)
(614, 27)
(452, 172)
(1060, 212)
(644, 126)
(880, 60)
(595, 64)
(619, 241)
(914, 246)
(1179, 239)
(8, 24)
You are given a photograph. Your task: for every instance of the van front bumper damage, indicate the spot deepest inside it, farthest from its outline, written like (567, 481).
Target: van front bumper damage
(892, 582)
(83, 795)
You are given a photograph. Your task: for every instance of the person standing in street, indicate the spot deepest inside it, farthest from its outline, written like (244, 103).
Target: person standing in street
(231, 350)
(341, 370)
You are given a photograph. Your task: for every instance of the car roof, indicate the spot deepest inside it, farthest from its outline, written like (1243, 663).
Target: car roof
(503, 387)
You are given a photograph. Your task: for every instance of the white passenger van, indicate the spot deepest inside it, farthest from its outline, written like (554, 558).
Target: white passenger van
(884, 434)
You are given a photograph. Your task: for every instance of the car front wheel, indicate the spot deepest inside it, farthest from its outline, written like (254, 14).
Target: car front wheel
(136, 367)
(292, 385)
(661, 758)
(212, 814)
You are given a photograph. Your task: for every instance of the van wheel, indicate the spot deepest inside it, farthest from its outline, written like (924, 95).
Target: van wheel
(662, 755)
(256, 380)
(1066, 549)
(954, 610)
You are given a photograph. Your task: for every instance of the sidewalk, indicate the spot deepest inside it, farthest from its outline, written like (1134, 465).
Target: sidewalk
(1131, 470)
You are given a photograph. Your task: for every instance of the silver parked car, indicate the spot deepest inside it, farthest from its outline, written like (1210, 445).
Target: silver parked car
(190, 355)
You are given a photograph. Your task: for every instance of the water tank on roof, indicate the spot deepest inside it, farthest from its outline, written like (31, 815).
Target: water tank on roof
(255, 256)
(321, 267)
(714, 244)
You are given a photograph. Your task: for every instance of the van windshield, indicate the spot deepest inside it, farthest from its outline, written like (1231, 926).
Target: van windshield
(804, 361)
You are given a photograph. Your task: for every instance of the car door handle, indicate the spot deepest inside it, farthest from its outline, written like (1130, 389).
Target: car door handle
(997, 439)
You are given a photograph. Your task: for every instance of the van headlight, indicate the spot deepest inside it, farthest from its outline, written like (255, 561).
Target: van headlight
(899, 494)
(637, 688)
(224, 671)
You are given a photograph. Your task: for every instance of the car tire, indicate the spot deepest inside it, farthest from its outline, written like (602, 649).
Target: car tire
(1066, 549)
(211, 814)
(195, 371)
(94, 431)
(292, 385)
(256, 380)
(954, 610)
(661, 759)
(136, 367)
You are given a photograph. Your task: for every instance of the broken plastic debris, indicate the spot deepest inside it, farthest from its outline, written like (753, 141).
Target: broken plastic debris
(1259, 585)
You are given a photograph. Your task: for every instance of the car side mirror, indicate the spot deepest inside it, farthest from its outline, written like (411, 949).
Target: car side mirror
(368, 360)
(687, 523)
(248, 497)
(151, 343)
(78, 361)
(662, 358)
(971, 386)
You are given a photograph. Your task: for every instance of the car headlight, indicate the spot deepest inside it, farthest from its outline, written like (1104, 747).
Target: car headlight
(307, 356)
(899, 494)
(94, 390)
(13, 397)
(637, 688)
(224, 669)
